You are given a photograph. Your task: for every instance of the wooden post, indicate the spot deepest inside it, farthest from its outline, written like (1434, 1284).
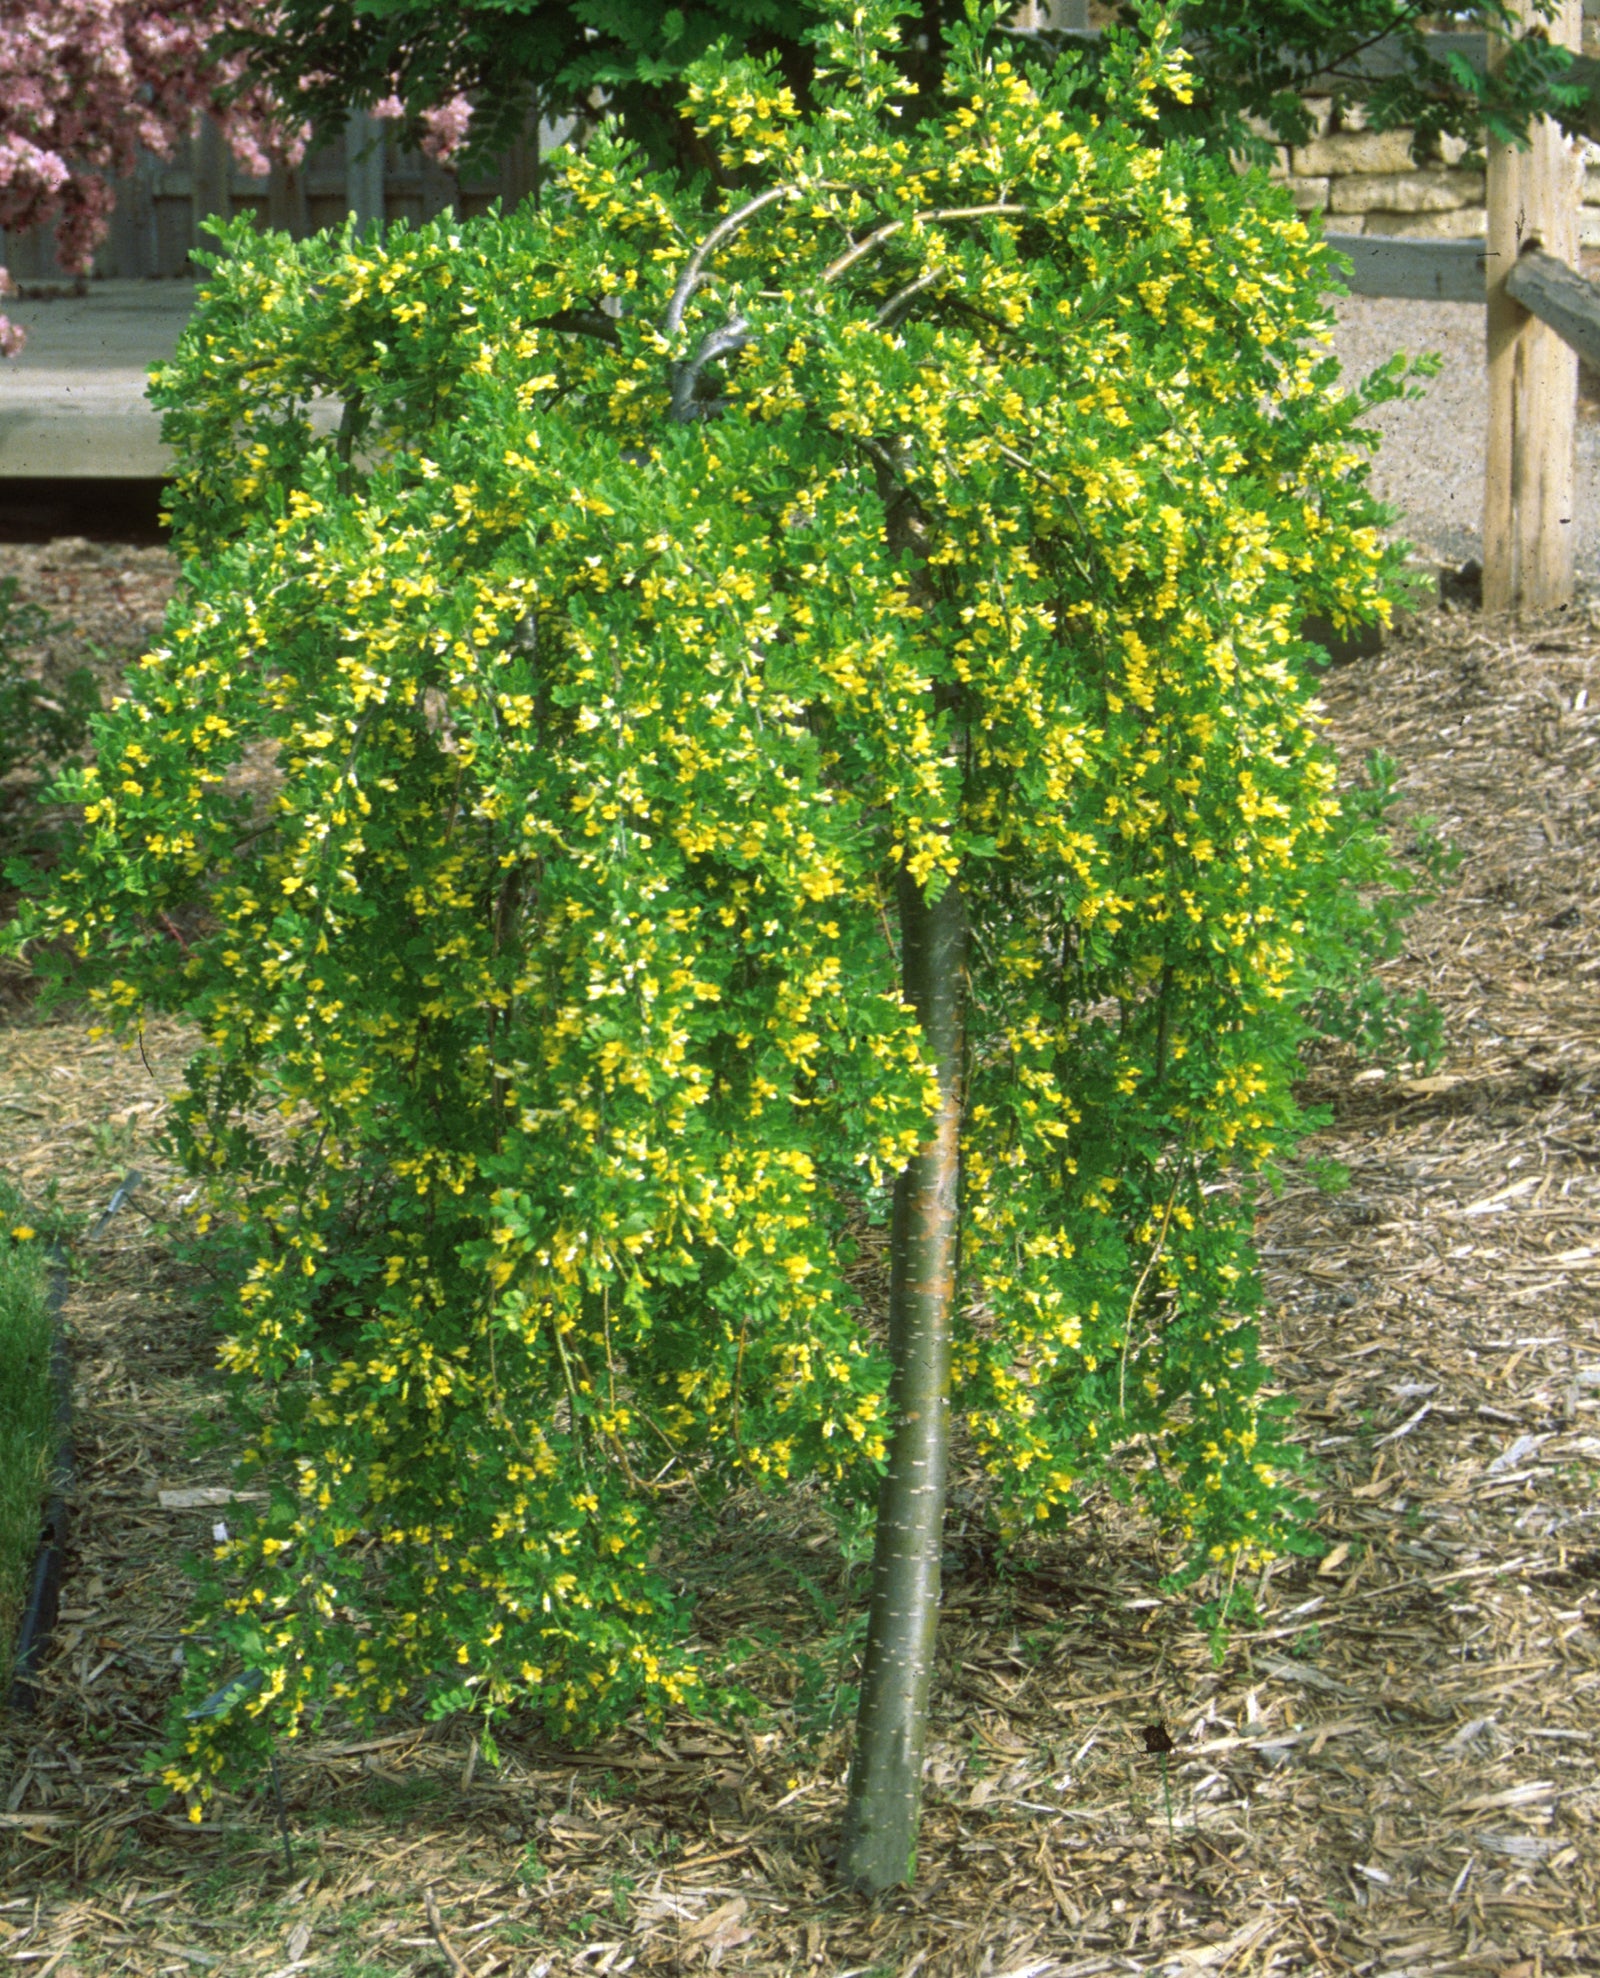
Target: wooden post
(365, 151)
(210, 163)
(1533, 375)
(286, 200)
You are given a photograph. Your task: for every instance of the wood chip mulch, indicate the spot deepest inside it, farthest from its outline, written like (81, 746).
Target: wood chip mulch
(1393, 1774)
(104, 601)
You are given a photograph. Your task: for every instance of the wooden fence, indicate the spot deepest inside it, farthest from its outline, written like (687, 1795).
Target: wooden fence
(1529, 485)
(159, 210)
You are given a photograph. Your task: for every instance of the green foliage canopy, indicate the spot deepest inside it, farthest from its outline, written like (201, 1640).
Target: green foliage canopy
(531, 764)
(1249, 59)
(1261, 58)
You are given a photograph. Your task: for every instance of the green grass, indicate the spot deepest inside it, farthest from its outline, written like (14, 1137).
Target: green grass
(27, 1419)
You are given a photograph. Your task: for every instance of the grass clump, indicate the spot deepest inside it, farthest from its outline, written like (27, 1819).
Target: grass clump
(26, 1411)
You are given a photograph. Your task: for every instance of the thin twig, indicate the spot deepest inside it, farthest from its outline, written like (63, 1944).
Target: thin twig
(1027, 466)
(457, 1963)
(1056, 487)
(572, 1394)
(1138, 1293)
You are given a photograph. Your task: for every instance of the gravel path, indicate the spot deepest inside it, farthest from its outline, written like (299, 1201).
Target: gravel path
(1431, 464)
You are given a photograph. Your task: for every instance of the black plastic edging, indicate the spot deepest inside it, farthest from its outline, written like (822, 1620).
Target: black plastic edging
(49, 1565)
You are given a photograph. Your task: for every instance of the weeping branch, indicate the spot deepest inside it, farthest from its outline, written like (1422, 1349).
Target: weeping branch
(936, 216)
(723, 230)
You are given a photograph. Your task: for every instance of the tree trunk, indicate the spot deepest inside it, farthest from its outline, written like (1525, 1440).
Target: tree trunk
(885, 1809)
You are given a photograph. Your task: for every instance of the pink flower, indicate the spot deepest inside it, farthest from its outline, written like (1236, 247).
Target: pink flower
(85, 84)
(25, 169)
(446, 127)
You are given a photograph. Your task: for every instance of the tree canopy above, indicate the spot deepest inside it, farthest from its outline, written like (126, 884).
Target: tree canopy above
(1249, 59)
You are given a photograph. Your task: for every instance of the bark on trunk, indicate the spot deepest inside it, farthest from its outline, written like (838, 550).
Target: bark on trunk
(885, 1807)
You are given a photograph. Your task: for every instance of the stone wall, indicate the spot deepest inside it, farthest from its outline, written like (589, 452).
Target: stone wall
(1366, 182)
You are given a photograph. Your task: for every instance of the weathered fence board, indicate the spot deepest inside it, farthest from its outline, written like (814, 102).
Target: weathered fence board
(156, 222)
(1560, 296)
(1413, 270)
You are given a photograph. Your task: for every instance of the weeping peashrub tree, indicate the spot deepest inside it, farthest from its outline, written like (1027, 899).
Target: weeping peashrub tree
(767, 698)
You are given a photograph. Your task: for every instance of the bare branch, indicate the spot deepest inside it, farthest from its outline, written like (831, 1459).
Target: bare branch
(729, 224)
(735, 333)
(893, 309)
(939, 215)
(733, 336)
(580, 322)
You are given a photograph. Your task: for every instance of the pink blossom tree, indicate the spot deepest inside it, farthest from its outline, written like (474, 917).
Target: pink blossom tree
(85, 83)
(444, 125)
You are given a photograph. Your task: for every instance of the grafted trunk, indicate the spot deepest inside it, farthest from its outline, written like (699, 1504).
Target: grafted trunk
(885, 1808)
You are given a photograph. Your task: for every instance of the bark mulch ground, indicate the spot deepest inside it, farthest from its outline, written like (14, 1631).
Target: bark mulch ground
(1393, 1773)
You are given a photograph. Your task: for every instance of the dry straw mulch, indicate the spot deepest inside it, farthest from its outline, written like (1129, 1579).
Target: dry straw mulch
(1393, 1774)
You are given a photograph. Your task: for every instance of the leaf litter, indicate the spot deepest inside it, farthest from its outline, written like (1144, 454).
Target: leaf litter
(1391, 1772)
